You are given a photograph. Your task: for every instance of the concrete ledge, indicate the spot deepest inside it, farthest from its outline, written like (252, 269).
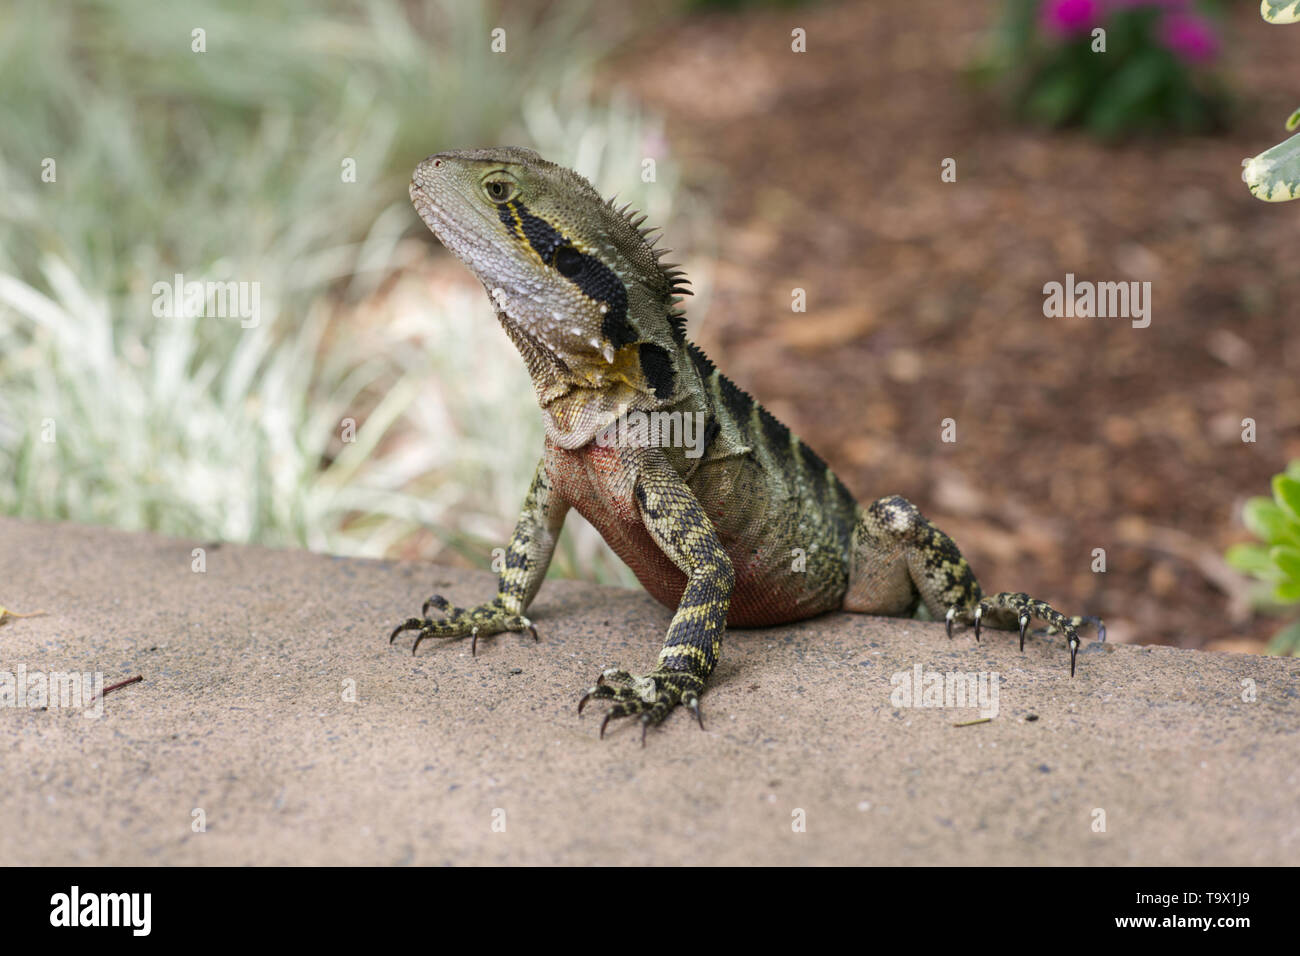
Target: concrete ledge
(241, 713)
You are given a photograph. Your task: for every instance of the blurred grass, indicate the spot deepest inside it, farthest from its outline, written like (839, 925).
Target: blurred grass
(225, 165)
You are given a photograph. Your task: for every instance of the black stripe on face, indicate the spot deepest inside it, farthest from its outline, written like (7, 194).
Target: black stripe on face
(595, 279)
(657, 367)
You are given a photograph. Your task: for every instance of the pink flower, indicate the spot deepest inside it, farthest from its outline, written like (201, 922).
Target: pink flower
(1166, 4)
(1190, 37)
(1070, 17)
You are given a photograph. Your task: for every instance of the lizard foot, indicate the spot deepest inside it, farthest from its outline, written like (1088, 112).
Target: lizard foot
(1010, 610)
(651, 697)
(474, 622)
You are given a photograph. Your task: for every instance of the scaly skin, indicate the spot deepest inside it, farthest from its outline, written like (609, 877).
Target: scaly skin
(755, 530)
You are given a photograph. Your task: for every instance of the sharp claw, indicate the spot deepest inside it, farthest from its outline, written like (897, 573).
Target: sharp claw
(1024, 621)
(645, 725)
(583, 703)
(603, 724)
(698, 715)
(409, 624)
(948, 620)
(1074, 653)
(532, 630)
(1101, 631)
(473, 643)
(978, 611)
(418, 638)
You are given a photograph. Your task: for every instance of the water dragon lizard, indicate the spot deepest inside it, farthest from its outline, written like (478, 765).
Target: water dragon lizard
(580, 289)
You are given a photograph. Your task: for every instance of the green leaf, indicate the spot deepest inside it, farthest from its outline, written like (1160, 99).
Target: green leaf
(1265, 519)
(1280, 11)
(1056, 95)
(1274, 175)
(1288, 560)
(1286, 592)
(1129, 93)
(1293, 121)
(1286, 642)
(1250, 558)
(1286, 492)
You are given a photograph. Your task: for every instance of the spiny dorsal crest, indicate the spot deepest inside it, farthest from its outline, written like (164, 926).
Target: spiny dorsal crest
(678, 283)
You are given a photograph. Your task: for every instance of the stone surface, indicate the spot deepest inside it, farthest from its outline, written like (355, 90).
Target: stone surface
(242, 714)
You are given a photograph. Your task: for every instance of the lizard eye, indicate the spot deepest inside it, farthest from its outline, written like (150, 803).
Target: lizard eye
(499, 190)
(569, 261)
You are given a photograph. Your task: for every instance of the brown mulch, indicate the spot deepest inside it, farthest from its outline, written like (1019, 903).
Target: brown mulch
(925, 298)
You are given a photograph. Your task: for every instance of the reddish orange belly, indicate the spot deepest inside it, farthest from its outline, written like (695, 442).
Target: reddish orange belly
(596, 482)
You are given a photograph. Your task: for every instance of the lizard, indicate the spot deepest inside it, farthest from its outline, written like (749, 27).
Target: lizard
(709, 527)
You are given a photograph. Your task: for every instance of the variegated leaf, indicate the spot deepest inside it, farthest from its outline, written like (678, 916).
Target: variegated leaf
(1274, 175)
(1280, 11)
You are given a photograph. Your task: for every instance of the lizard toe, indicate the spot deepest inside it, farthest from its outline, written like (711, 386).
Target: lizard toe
(651, 697)
(1012, 610)
(481, 621)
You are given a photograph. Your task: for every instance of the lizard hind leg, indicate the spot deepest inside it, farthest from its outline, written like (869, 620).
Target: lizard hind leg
(900, 558)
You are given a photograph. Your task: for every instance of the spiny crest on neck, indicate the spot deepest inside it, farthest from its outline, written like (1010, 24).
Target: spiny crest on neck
(678, 283)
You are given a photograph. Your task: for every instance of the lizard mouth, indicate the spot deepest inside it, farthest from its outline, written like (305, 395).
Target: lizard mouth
(468, 245)
(427, 210)
(448, 223)
(443, 226)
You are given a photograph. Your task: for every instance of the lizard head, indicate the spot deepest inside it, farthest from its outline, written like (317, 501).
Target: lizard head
(574, 280)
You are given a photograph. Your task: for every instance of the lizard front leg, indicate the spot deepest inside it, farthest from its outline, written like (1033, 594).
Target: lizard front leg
(900, 558)
(527, 557)
(680, 527)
